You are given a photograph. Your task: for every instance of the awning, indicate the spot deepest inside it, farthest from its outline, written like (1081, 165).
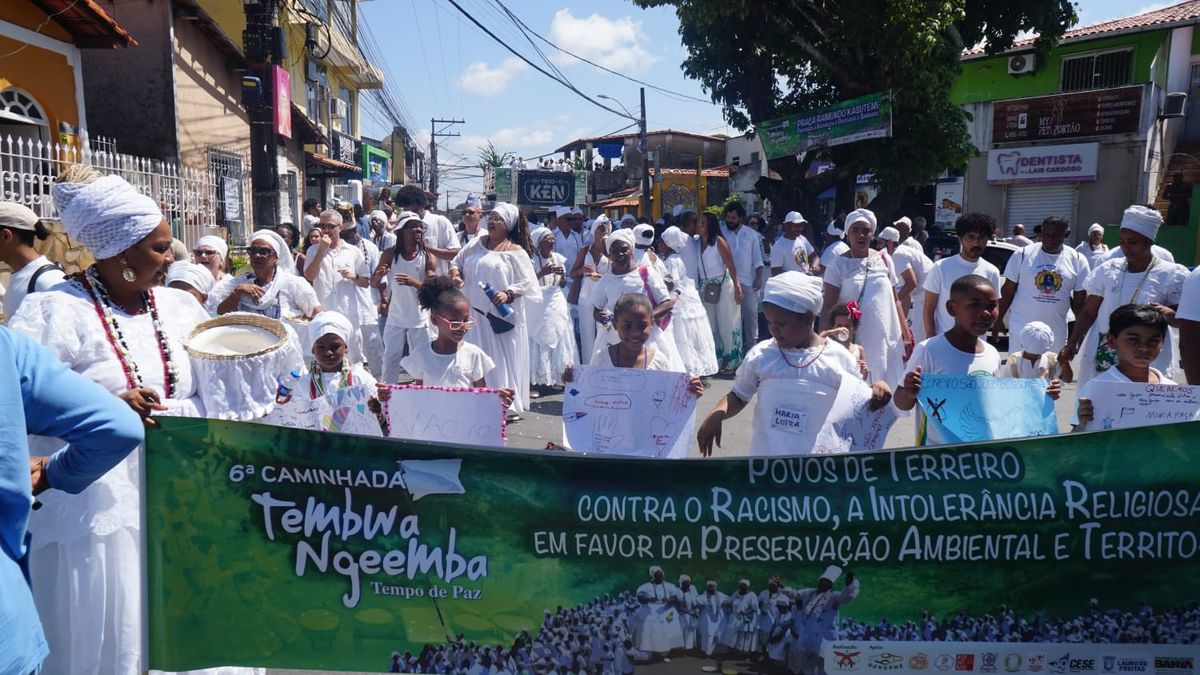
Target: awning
(335, 166)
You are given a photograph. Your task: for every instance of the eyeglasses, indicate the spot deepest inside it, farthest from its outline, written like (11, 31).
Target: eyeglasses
(472, 212)
(260, 251)
(495, 217)
(330, 226)
(455, 325)
(203, 252)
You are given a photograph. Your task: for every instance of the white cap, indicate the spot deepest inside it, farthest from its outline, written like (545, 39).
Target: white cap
(1143, 220)
(794, 217)
(17, 216)
(903, 219)
(890, 233)
(560, 211)
(832, 573)
(743, 582)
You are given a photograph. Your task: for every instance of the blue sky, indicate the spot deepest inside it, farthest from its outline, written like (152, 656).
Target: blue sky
(453, 70)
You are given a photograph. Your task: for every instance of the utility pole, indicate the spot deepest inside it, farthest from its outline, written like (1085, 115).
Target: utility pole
(644, 202)
(434, 134)
(263, 42)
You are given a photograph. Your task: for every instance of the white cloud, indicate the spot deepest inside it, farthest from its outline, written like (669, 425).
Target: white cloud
(483, 80)
(613, 43)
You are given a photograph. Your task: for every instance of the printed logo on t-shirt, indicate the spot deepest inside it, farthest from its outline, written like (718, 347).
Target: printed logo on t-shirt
(1048, 281)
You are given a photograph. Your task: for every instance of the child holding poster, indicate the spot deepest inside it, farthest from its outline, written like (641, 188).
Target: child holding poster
(449, 361)
(962, 350)
(1137, 334)
(331, 368)
(779, 368)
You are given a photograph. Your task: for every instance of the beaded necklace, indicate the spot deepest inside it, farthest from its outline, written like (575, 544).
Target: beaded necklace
(316, 386)
(102, 303)
(802, 364)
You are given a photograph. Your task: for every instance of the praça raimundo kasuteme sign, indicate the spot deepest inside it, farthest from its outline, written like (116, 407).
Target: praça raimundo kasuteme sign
(858, 119)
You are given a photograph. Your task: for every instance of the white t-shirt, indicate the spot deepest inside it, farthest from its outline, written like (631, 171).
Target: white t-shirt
(945, 272)
(765, 361)
(1045, 283)
(462, 369)
(1189, 302)
(1094, 256)
(1114, 374)
(1023, 368)
(658, 360)
(912, 257)
(334, 292)
(18, 283)
(439, 233)
(832, 251)
(791, 254)
(936, 356)
(403, 309)
(746, 245)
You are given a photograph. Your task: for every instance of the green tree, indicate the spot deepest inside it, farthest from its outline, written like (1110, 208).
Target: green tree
(490, 157)
(763, 60)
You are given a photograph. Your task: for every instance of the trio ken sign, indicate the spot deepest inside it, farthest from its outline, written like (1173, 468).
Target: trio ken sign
(1043, 164)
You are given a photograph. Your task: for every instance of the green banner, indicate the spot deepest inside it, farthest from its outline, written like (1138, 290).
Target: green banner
(849, 121)
(288, 548)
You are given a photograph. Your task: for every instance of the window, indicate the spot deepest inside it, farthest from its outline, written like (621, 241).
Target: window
(736, 161)
(225, 167)
(1097, 70)
(754, 159)
(317, 88)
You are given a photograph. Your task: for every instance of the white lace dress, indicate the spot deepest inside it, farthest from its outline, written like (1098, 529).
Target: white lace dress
(689, 322)
(551, 333)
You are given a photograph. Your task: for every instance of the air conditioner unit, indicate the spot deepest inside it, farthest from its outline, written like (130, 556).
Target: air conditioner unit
(1175, 105)
(1021, 64)
(340, 109)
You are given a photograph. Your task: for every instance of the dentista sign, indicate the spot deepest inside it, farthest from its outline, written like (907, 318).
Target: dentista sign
(1043, 164)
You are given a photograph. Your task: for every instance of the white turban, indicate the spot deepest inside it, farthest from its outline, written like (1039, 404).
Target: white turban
(675, 238)
(683, 578)
(795, 291)
(107, 216)
(743, 582)
(832, 573)
(538, 235)
(329, 322)
(890, 233)
(473, 200)
(511, 214)
(858, 215)
(285, 262)
(215, 243)
(196, 276)
(625, 235)
(655, 568)
(1143, 220)
(644, 234)
(378, 214)
(600, 221)
(1096, 227)
(833, 231)
(628, 217)
(1036, 338)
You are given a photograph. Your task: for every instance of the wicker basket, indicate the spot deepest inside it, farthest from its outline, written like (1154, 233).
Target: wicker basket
(237, 319)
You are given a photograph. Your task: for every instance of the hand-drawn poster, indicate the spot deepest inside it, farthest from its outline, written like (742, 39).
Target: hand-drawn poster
(446, 415)
(963, 408)
(343, 410)
(623, 411)
(852, 425)
(1120, 406)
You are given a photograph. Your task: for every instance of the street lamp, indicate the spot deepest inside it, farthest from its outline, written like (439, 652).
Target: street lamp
(644, 202)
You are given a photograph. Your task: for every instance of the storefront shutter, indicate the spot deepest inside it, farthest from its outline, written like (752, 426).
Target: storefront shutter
(1031, 204)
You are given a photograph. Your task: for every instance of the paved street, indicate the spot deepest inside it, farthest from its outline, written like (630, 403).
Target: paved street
(543, 425)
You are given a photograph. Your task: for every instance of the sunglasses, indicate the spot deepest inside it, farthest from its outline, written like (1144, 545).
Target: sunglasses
(495, 217)
(203, 252)
(330, 226)
(455, 325)
(261, 251)
(471, 212)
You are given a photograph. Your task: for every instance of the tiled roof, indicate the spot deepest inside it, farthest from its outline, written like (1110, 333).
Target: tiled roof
(1181, 14)
(90, 25)
(618, 137)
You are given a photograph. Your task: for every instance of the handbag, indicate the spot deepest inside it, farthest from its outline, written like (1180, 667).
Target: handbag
(665, 320)
(711, 293)
(499, 326)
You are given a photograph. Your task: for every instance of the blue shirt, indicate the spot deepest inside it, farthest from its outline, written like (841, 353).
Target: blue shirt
(40, 395)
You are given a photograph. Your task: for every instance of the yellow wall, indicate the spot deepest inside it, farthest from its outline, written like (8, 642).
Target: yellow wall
(45, 75)
(206, 97)
(27, 15)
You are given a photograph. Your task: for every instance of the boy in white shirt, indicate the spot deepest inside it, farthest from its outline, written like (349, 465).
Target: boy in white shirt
(793, 252)
(973, 230)
(1137, 334)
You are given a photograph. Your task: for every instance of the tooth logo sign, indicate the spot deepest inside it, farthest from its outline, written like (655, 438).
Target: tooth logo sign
(1008, 162)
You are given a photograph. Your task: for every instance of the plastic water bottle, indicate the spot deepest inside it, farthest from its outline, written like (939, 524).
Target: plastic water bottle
(504, 310)
(287, 384)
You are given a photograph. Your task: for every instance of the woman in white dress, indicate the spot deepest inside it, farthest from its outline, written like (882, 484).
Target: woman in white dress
(718, 272)
(114, 324)
(551, 333)
(270, 287)
(406, 267)
(691, 331)
(624, 278)
(866, 278)
(501, 262)
(590, 266)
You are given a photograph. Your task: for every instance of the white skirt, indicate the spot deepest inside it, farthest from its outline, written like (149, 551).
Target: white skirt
(693, 335)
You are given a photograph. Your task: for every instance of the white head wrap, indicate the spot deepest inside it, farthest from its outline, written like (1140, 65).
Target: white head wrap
(107, 216)
(625, 235)
(832, 573)
(644, 234)
(890, 233)
(576, 211)
(903, 219)
(858, 215)
(683, 578)
(1036, 338)
(711, 582)
(560, 211)
(215, 243)
(285, 262)
(196, 276)
(794, 217)
(795, 291)
(1096, 227)
(380, 215)
(743, 582)
(472, 200)
(511, 214)
(600, 221)
(833, 231)
(538, 235)
(675, 238)
(655, 568)
(628, 218)
(329, 322)
(1143, 220)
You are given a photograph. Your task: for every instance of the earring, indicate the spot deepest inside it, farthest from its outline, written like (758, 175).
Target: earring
(129, 274)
